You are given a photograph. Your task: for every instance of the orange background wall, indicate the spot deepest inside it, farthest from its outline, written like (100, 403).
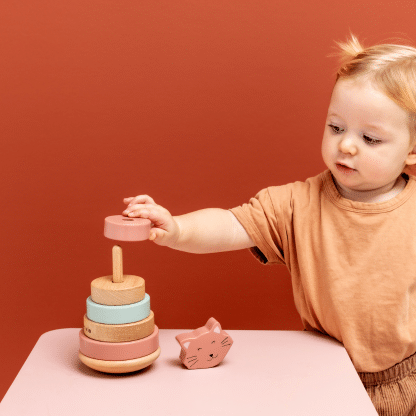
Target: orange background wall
(196, 103)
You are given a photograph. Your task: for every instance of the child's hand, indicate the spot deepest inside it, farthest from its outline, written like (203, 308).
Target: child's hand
(165, 230)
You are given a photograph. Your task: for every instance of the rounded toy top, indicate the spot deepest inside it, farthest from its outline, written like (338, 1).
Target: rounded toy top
(121, 228)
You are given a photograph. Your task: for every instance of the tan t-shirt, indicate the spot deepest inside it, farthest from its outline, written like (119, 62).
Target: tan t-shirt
(353, 264)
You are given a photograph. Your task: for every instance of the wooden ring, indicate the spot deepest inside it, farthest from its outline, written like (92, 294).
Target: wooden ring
(119, 333)
(107, 292)
(118, 351)
(119, 366)
(121, 228)
(120, 314)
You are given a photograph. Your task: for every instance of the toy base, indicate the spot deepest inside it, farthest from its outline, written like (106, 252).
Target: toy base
(126, 366)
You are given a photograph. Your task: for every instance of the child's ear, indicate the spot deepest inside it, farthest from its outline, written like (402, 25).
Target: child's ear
(411, 157)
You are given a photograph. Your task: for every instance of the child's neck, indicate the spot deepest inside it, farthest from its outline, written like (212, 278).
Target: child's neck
(370, 197)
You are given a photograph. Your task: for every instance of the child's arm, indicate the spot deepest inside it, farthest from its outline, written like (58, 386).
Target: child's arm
(209, 230)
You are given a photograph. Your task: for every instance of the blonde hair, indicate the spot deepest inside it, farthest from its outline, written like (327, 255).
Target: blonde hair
(389, 67)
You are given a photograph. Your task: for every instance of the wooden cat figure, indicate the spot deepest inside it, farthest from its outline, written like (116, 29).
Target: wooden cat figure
(204, 347)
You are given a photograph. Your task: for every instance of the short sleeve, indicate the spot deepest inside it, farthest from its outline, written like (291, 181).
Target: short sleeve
(259, 219)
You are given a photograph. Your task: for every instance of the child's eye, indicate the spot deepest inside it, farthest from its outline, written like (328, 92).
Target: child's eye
(335, 129)
(367, 139)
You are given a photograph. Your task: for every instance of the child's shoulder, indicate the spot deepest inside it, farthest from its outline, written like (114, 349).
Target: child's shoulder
(312, 184)
(295, 191)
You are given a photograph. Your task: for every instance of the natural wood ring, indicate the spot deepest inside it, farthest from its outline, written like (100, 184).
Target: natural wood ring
(106, 292)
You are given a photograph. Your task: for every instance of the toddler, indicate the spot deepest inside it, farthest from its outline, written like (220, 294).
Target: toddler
(347, 235)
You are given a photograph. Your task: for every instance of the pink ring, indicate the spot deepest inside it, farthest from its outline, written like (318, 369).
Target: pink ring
(118, 351)
(121, 228)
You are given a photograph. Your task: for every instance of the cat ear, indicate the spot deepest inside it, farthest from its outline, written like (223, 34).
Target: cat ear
(213, 325)
(186, 336)
(186, 344)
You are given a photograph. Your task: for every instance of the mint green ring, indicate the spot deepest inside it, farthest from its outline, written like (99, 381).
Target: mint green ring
(119, 314)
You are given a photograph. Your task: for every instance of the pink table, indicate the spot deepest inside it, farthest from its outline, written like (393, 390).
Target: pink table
(286, 373)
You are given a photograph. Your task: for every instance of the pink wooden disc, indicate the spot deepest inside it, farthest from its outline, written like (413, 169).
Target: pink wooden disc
(118, 351)
(121, 228)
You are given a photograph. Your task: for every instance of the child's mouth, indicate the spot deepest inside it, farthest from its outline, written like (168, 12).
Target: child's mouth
(344, 169)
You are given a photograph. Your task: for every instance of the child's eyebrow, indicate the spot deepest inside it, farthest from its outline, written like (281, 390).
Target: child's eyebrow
(378, 127)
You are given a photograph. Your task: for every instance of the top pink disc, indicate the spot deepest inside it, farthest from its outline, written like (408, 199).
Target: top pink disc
(121, 228)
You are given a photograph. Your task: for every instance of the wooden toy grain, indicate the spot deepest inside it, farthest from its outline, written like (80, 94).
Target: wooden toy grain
(107, 292)
(119, 288)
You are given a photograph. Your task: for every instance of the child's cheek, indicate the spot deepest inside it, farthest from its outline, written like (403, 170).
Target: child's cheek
(373, 162)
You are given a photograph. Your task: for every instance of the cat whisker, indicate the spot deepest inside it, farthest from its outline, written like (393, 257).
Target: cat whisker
(226, 345)
(224, 340)
(194, 362)
(192, 356)
(191, 359)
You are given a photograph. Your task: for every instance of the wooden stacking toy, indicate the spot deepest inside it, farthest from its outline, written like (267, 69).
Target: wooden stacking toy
(119, 334)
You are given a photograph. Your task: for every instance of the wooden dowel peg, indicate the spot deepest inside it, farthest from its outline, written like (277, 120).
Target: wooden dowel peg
(117, 288)
(117, 264)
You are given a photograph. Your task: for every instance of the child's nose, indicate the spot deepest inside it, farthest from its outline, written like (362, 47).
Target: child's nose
(347, 145)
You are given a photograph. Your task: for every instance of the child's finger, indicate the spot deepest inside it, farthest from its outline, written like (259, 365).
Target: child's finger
(140, 199)
(152, 212)
(133, 208)
(136, 207)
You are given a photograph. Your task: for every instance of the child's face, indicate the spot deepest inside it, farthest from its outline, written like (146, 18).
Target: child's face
(378, 156)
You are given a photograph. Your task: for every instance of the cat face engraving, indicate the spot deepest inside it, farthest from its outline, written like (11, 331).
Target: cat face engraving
(204, 347)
